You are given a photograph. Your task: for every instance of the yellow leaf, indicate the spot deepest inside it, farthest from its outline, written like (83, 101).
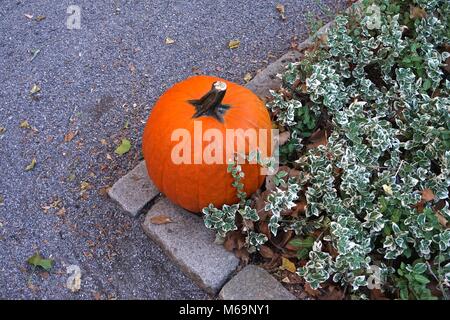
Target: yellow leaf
(160, 219)
(387, 189)
(248, 76)
(288, 265)
(169, 41)
(31, 165)
(84, 185)
(233, 44)
(25, 125)
(35, 89)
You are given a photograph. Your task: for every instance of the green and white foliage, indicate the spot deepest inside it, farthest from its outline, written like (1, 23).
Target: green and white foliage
(385, 92)
(378, 81)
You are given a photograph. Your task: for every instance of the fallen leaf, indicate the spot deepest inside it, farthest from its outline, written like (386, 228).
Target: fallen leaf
(37, 261)
(35, 89)
(70, 135)
(73, 282)
(29, 16)
(34, 53)
(248, 76)
(427, 195)
(61, 212)
(31, 165)
(265, 251)
(132, 67)
(234, 44)
(283, 137)
(288, 265)
(2, 130)
(243, 255)
(97, 295)
(160, 219)
(25, 125)
(55, 204)
(2, 200)
(333, 293)
(286, 280)
(377, 294)
(312, 292)
(442, 219)
(84, 185)
(124, 147)
(387, 189)
(103, 142)
(104, 191)
(40, 18)
(280, 9)
(317, 138)
(417, 12)
(196, 70)
(169, 41)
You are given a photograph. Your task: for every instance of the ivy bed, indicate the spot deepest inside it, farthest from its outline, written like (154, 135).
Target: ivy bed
(359, 208)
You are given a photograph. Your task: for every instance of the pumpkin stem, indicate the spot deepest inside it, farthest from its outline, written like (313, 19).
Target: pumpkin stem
(211, 103)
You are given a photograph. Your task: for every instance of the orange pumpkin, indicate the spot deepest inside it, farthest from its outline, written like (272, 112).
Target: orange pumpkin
(210, 103)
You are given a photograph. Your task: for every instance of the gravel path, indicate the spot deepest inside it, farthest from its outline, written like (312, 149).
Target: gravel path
(97, 85)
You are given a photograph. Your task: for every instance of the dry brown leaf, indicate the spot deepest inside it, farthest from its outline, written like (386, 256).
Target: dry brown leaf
(442, 219)
(104, 191)
(283, 137)
(447, 65)
(333, 293)
(61, 212)
(310, 291)
(266, 251)
(427, 195)
(70, 135)
(132, 67)
(243, 255)
(377, 294)
(281, 10)
(317, 138)
(97, 296)
(417, 12)
(160, 219)
(40, 18)
(229, 245)
(196, 70)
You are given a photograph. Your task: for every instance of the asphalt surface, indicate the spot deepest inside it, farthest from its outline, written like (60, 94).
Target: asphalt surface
(100, 82)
